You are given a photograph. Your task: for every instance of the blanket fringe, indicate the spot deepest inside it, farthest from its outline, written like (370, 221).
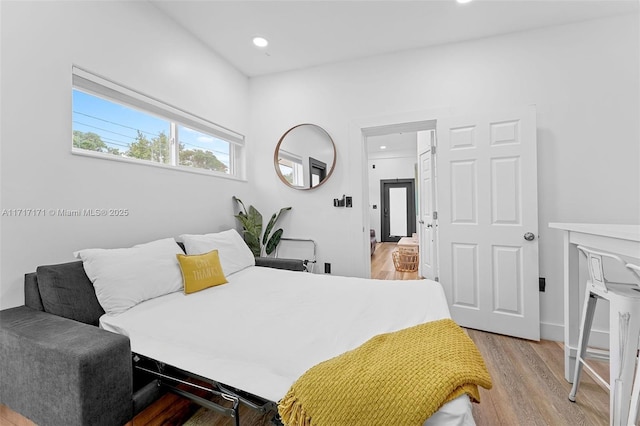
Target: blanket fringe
(291, 411)
(293, 414)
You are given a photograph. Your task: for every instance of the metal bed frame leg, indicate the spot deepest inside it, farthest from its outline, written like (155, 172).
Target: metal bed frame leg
(163, 372)
(229, 412)
(232, 412)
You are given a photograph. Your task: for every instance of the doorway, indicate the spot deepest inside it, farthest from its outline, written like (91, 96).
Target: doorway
(317, 171)
(393, 196)
(397, 209)
(487, 200)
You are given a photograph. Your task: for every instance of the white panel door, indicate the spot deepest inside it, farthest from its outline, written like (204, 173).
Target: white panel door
(426, 224)
(488, 221)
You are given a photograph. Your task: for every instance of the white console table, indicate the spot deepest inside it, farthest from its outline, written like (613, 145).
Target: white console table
(619, 239)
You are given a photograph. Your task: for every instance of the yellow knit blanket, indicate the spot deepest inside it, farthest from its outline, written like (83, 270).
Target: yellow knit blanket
(398, 378)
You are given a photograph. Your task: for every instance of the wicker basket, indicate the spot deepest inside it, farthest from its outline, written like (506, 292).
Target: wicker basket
(405, 260)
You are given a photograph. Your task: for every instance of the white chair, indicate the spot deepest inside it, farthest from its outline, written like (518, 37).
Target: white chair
(624, 330)
(635, 394)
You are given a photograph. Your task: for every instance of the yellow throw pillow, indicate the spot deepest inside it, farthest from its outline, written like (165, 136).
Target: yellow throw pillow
(201, 271)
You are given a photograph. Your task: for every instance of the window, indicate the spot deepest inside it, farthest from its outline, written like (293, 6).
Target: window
(112, 121)
(291, 168)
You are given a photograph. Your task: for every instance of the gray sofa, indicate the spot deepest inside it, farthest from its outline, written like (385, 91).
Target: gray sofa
(58, 368)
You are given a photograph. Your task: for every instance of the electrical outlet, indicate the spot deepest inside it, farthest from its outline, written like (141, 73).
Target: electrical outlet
(327, 268)
(542, 284)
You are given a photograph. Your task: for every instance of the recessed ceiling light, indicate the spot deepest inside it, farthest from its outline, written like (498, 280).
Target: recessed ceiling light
(383, 147)
(463, 1)
(260, 41)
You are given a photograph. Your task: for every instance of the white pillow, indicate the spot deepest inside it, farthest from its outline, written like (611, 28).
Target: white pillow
(234, 253)
(124, 277)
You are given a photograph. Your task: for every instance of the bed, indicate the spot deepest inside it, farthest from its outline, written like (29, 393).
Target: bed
(262, 329)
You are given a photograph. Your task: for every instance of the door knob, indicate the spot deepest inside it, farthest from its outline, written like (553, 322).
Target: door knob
(529, 236)
(429, 225)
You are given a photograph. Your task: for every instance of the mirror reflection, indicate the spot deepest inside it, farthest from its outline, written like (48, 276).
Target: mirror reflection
(305, 156)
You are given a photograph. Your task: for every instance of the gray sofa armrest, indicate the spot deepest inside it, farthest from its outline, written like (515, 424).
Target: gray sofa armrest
(272, 262)
(57, 371)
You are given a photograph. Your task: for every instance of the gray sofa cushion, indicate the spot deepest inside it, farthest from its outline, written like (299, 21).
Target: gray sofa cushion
(66, 291)
(32, 297)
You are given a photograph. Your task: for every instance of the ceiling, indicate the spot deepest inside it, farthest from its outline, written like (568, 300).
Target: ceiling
(304, 34)
(395, 145)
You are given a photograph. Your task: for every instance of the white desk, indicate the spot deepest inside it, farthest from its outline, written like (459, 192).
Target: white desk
(618, 239)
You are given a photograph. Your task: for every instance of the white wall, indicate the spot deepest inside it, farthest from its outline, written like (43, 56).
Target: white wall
(583, 78)
(135, 45)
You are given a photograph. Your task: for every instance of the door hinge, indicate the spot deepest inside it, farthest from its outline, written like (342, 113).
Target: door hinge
(433, 150)
(435, 215)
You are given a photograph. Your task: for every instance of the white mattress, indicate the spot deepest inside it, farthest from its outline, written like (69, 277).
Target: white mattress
(266, 327)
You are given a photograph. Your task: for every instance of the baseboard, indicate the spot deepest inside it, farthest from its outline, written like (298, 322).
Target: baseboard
(555, 332)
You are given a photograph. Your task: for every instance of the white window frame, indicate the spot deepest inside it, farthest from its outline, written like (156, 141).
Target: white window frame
(104, 88)
(297, 168)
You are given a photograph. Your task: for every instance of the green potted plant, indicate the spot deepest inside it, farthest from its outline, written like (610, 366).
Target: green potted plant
(251, 221)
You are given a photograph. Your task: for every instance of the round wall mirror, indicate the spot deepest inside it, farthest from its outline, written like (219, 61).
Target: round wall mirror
(305, 156)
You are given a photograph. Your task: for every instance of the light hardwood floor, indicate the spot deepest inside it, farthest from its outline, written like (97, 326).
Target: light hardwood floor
(382, 264)
(528, 383)
(528, 377)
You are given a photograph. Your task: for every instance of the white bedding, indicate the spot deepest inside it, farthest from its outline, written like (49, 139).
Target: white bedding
(266, 327)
